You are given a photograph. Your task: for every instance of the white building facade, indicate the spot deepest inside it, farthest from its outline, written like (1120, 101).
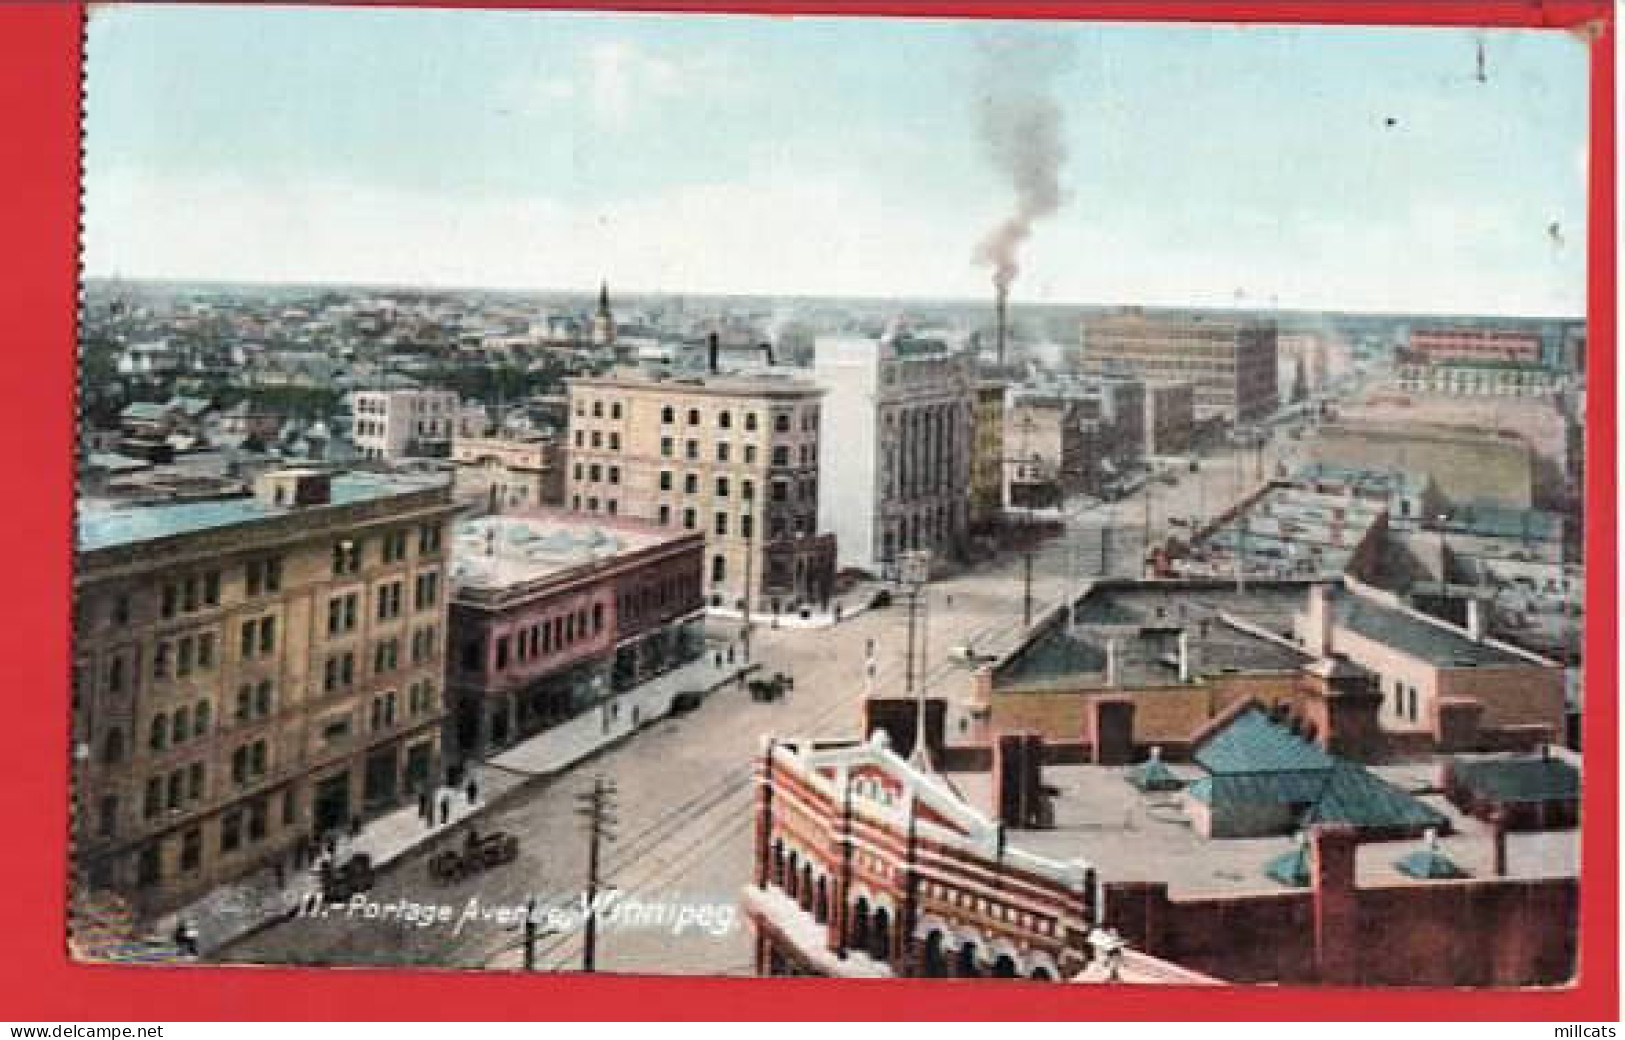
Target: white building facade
(397, 424)
(898, 414)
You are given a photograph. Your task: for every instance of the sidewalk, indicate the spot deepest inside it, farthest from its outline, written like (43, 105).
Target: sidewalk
(853, 602)
(234, 911)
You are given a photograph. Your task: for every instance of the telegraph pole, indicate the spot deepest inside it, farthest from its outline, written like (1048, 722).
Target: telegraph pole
(597, 807)
(530, 934)
(1027, 588)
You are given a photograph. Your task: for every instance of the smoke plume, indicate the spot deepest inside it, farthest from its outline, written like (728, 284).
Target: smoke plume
(1019, 122)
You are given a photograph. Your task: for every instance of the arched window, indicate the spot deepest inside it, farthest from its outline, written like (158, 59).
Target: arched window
(858, 931)
(113, 747)
(160, 732)
(200, 719)
(1005, 968)
(965, 962)
(821, 902)
(880, 935)
(1042, 974)
(936, 962)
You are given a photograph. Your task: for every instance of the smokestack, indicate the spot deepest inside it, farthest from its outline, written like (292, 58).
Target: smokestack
(1318, 622)
(1000, 307)
(1475, 620)
(767, 350)
(712, 348)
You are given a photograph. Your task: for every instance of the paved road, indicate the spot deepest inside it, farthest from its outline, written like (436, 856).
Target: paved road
(684, 814)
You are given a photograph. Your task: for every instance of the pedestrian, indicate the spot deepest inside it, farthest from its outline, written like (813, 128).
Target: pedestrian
(445, 809)
(730, 653)
(719, 658)
(473, 791)
(186, 937)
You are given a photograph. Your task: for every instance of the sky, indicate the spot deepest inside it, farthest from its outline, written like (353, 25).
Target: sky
(1346, 169)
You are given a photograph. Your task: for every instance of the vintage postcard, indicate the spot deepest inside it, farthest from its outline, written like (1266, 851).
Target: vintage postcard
(862, 497)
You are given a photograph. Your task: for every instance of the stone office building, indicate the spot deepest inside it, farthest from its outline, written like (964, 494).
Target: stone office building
(253, 670)
(1230, 363)
(905, 407)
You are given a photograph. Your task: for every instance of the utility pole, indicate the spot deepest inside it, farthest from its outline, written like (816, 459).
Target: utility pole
(597, 807)
(1027, 588)
(530, 934)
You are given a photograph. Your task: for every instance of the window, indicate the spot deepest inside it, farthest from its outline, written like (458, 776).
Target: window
(428, 539)
(722, 523)
(667, 414)
(725, 419)
(262, 698)
(194, 781)
(176, 789)
(336, 728)
(611, 507)
(386, 656)
(200, 719)
(115, 675)
(750, 421)
(722, 487)
(614, 441)
(693, 416)
(121, 610)
(781, 491)
(597, 439)
(168, 602)
(722, 452)
(614, 474)
(665, 447)
(747, 490)
(578, 470)
(615, 409)
(264, 576)
(781, 455)
(595, 473)
(688, 519)
(346, 557)
(719, 568)
(267, 636)
(502, 652)
(597, 617)
(389, 601)
(191, 850)
(159, 736)
(231, 831)
(781, 423)
(205, 651)
(109, 816)
(154, 801)
(691, 449)
(189, 590)
(394, 546)
(750, 454)
(160, 661)
(745, 526)
(113, 747)
(665, 515)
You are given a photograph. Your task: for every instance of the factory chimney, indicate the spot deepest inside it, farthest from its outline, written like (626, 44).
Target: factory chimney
(1000, 307)
(712, 348)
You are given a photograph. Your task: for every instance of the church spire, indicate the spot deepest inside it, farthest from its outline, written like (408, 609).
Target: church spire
(603, 299)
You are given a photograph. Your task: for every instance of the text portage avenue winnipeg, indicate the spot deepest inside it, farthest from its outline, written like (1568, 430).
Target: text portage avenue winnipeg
(612, 909)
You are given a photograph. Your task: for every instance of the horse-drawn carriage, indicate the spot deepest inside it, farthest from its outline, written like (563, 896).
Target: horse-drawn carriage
(479, 852)
(346, 879)
(771, 689)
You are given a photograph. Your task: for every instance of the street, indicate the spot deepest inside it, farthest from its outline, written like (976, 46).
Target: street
(684, 807)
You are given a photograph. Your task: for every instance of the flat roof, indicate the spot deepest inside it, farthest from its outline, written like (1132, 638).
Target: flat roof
(500, 552)
(101, 526)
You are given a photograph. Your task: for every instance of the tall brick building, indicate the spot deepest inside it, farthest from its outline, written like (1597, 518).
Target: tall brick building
(253, 670)
(1230, 362)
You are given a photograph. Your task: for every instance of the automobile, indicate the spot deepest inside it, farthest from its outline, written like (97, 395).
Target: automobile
(685, 702)
(881, 598)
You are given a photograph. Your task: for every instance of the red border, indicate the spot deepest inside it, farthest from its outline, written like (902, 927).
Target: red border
(40, 47)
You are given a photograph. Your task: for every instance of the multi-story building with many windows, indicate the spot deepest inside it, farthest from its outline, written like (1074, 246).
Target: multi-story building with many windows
(904, 406)
(987, 454)
(1230, 362)
(734, 456)
(395, 424)
(252, 671)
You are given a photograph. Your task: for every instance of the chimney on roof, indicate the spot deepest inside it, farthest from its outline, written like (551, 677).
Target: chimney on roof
(1187, 652)
(1475, 619)
(1317, 636)
(1112, 665)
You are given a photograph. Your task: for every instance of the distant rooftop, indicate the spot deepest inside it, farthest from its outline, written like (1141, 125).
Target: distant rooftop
(102, 526)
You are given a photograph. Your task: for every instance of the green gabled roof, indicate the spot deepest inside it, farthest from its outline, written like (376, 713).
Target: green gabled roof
(1054, 655)
(1290, 868)
(1429, 864)
(1520, 779)
(1253, 743)
(1154, 775)
(1361, 798)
